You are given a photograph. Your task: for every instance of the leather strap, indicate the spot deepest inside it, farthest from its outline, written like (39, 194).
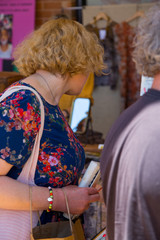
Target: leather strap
(69, 215)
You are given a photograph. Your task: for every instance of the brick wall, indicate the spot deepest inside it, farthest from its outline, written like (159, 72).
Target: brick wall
(46, 9)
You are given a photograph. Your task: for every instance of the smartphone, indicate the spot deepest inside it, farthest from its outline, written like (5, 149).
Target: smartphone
(90, 179)
(91, 176)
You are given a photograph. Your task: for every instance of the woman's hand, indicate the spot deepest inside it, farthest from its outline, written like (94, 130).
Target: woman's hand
(78, 199)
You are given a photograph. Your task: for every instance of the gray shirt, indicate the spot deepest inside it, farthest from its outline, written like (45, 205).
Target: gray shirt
(130, 169)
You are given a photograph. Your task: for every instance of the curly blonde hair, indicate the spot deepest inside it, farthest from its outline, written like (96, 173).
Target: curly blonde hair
(147, 43)
(60, 46)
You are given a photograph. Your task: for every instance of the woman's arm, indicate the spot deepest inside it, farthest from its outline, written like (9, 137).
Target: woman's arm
(14, 195)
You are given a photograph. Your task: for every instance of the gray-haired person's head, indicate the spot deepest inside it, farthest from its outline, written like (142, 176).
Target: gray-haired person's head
(147, 43)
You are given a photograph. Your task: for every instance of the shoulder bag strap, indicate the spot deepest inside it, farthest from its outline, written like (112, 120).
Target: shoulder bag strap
(28, 171)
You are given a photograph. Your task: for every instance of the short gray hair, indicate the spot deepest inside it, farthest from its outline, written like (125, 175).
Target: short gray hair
(147, 43)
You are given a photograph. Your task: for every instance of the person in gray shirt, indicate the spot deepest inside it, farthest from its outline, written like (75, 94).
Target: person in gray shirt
(130, 161)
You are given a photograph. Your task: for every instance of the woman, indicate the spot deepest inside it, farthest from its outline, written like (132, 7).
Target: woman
(5, 46)
(56, 59)
(130, 162)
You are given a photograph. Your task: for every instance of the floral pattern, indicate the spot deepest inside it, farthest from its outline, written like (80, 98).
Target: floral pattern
(61, 156)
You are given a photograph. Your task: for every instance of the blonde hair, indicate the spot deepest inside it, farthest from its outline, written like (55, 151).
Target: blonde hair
(60, 46)
(147, 43)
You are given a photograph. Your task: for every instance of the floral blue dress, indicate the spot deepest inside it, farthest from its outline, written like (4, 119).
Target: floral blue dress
(61, 156)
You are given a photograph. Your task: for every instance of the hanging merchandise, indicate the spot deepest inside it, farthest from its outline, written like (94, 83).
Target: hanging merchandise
(130, 79)
(106, 39)
(124, 35)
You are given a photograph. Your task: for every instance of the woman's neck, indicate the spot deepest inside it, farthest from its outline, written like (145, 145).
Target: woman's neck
(4, 47)
(50, 86)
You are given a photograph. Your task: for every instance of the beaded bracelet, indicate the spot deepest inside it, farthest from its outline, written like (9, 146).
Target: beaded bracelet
(50, 199)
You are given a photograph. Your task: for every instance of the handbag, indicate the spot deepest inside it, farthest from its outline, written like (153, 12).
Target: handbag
(62, 230)
(14, 224)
